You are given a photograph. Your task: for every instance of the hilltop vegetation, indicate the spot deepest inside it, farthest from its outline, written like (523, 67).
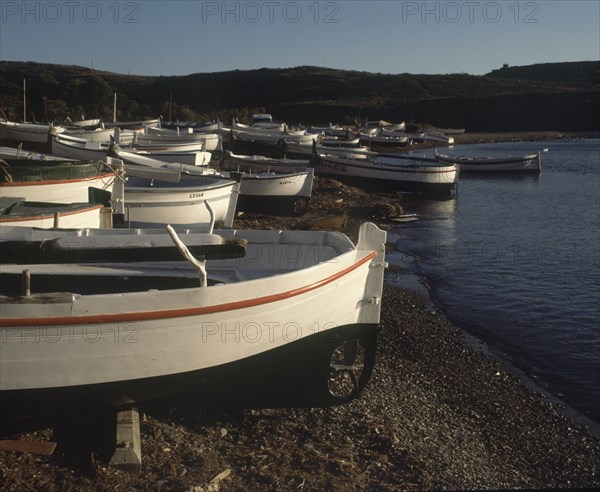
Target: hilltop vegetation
(511, 98)
(569, 72)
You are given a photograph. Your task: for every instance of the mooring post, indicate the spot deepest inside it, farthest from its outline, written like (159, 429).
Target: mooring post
(128, 450)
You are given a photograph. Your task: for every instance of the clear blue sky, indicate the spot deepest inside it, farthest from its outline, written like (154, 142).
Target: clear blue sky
(183, 37)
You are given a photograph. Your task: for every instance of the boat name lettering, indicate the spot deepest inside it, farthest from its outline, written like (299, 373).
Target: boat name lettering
(54, 12)
(196, 195)
(265, 332)
(90, 333)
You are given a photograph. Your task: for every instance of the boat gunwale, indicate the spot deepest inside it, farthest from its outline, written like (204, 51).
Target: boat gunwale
(401, 168)
(20, 218)
(189, 311)
(95, 177)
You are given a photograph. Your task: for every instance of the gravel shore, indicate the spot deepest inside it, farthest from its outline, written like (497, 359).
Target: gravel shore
(436, 415)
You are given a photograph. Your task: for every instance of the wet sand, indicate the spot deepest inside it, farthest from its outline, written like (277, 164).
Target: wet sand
(437, 414)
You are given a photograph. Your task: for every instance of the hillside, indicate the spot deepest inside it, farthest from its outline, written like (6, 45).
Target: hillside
(495, 102)
(567, 72)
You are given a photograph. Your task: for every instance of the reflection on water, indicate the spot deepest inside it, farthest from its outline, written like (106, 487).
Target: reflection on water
(505, 176)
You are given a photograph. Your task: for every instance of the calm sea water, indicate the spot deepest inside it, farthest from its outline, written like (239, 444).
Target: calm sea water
(516, 262)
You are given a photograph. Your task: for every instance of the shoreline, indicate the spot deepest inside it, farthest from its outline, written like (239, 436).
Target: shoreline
(473, 342)
(437, 414)
(493, 137)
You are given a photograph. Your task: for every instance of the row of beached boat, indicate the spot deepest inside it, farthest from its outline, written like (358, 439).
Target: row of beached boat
(169, 303)
(121, 315)
(267, 184)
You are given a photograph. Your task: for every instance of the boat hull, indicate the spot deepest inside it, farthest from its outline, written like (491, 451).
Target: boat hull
(32, 214)
(179, 204)
(211, 141)
(98, 135)
(524, 164)
(299, 381)
(272, 194)
(74, 183)
(78, 149)
(27, 132)
(411, 177)
(258, 163)
(300, 310)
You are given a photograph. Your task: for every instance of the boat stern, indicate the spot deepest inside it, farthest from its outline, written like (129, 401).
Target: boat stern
(372, 238)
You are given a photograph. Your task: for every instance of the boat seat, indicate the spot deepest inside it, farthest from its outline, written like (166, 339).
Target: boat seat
(119, 249)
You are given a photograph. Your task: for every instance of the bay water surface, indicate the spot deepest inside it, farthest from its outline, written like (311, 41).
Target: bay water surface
(515, 261)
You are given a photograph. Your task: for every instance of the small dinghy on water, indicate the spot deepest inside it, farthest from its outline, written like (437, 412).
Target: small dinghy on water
(266, 318)
(530, 163)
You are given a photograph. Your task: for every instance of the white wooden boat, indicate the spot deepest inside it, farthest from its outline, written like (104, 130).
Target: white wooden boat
(399, 127)
(155, 146)
(530, 163)
(265, 128)
(20, 153)
(268, 192)
(394, 172)
(254, 163)
(157, 159)
(276, 194)
(225, 132)
(188, 158)
(271, 139)
(22, 213)
(197, 127)
(93, 122)
(371, 130)
(212, 141)
(153, 122)
(263, 120)
(331, 130)
(95, 135)
(294, 149)
(269, 125)
(71, 147)
(434, 136)
(34, 133)
(262, 191)
(391, 139)
(172, 197)
(332, 141)
(265, 136)
(76, 148)
(56, 181)
(293, 322)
